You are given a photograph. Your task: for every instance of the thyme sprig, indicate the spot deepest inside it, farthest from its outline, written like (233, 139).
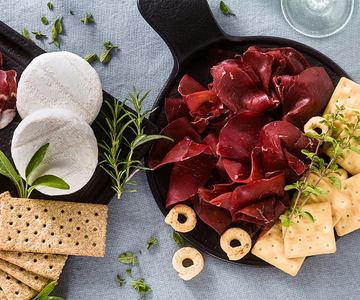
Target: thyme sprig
(119, 123)
(319, 166)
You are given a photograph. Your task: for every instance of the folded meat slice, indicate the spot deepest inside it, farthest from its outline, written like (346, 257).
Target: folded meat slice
(7, 107)
(281, 143)
(175, 108)
(304, 95)
(238, 91)
(189, 85)
(176, 130)
(240, 135)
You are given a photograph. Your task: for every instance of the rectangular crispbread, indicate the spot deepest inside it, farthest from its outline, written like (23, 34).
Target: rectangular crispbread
(350, 221)
(15, 289)
(304, 238)
(339, 201)
(46, 265)
(33, 280)
(2, 294)
(57, 227)
(270, 248)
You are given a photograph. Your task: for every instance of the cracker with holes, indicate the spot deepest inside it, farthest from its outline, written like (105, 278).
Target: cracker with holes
(304, 238)
(350, 221)
(2, 294)
(270, 248)
(14, 289)
(338, 200)
(57, 227)
(46, 265)
(35, 281)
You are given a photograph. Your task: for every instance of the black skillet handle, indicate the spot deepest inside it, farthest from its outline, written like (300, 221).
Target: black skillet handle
(185, 26)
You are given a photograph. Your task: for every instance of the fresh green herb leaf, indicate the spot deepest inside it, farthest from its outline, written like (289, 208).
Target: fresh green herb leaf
(36, 160)
(178, 238)
(87, 19)
(8, 170)
(151, 242)
(51, 181)
(121, 280)
(91, 58)
(58, 25)
(38, 34)
(128, 271)
(224, 9)
(140, 252)
(71, 12)
(309, 216)
(57, 43)
(105, 56)
(128, 258)
(44, 20)
(49, 5)
(43, 295)
(140, 286)
(25, 33)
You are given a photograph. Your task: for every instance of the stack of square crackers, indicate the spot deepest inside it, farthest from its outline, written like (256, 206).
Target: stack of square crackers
(339, 209)
(38, 235)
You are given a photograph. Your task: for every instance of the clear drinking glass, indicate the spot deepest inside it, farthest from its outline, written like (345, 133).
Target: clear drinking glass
(317, 18)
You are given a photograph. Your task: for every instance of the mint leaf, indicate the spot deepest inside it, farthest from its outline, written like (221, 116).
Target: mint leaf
(44, 20)
(105, 56)
(224, 9)
(25, 33)
(128, 258)
(151, 242)
(49, 5)
(178, 238)
(91, 58)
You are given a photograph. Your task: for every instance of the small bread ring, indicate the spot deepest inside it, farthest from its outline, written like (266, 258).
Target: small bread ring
(315, 122)
(195, 256)
(235, 253)
(187, 212)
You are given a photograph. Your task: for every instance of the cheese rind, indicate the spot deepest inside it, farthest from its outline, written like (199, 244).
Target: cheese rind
(60, 80)
(72, 154)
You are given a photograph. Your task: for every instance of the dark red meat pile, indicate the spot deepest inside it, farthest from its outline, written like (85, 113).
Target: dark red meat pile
(8, 90)
(230, 159)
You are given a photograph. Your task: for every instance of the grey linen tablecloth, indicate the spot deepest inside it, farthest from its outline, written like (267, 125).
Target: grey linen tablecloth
(143, 60)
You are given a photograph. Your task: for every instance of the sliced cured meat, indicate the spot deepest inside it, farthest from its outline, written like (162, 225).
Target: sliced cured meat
(187, 176)
(243, 66)
(175, 108)
(8, 91)
(248, 194)
(176, 130)
(217, 55)
(184, 150)
(281, 143)
(304, 95)
(216, 217)
(240, 135)
(189, 85)
(238, 91)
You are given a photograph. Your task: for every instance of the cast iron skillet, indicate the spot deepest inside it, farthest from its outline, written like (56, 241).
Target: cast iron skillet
(190, 31)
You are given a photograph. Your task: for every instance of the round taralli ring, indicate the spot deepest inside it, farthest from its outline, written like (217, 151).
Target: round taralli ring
(172, 218)
(191, 271)
(237, 234)
(315, 123)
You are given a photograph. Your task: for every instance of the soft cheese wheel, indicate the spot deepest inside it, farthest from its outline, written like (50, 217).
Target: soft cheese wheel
(72, 154)
(63, 80)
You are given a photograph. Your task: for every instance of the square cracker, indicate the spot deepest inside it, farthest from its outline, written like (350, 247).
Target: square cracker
(270, 248)
(350, 221)
(46, 265)
(35, 281)
(57, 227)
(304, 238)
(338, 200)
(15, 289)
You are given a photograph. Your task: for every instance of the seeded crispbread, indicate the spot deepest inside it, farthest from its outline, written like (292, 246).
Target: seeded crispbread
(338, 200)
(14, 289)
(270, 248)
(304, 238)
(350, 221)
(2, 294)
(46, 265)
(57, 227)
(31, 279)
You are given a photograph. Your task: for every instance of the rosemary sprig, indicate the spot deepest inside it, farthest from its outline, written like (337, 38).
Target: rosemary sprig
(121, 122)
(318, 165)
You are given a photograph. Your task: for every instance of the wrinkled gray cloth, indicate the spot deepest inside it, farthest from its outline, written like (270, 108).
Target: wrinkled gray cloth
(144, 61)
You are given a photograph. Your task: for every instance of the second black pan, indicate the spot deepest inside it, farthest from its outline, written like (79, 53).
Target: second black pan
(190, 31)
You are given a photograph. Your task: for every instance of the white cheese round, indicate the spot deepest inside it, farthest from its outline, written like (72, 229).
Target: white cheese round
(63, 80)
(72, 154)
